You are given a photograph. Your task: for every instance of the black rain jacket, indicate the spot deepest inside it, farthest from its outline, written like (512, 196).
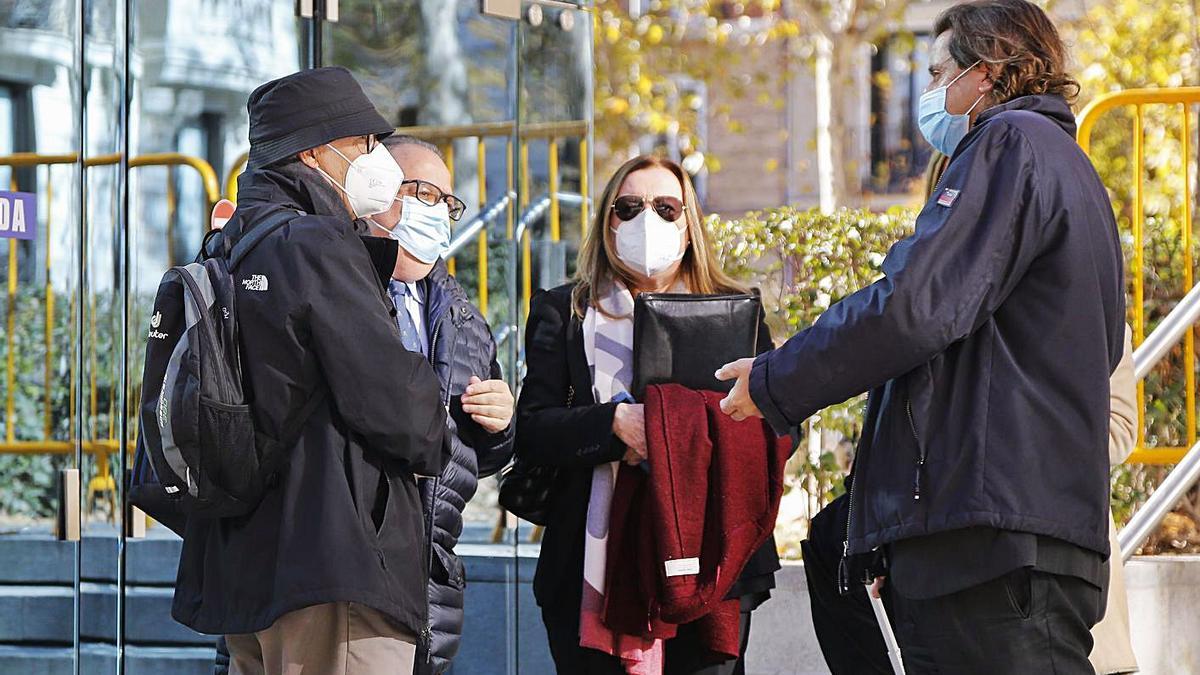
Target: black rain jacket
(344, 522)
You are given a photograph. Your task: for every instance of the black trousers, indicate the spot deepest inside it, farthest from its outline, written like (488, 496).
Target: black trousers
(682, 655)
(845, 624)
(1023, 622)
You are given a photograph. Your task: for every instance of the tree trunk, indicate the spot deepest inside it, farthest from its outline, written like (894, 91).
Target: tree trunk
(445, 92)
(828, 171)
(839, 161)
(846, 129)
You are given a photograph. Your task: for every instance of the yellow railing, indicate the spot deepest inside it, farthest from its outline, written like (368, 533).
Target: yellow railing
(101, 448)
(1181, 98)
(484, 133)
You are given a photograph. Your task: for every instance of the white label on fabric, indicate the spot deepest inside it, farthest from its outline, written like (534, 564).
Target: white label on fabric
(682, 567)
(256, 282)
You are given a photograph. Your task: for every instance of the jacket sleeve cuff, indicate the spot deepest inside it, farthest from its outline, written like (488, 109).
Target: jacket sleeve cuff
(603, 446)
(760, 393)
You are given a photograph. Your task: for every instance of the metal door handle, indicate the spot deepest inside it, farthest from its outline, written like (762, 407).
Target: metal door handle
(69, 513)
(135, 523)
(135, 518)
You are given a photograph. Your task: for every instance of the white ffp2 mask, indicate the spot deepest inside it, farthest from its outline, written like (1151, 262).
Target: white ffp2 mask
(649, 244)
(372, 181)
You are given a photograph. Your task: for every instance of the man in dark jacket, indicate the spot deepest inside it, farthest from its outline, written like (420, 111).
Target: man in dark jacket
(328, 570)
(987, 348)
(454, 336)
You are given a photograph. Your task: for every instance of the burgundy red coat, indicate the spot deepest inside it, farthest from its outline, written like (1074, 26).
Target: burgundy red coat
(680, 535)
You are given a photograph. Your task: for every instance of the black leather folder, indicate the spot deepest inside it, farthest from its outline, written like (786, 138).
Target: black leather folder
(684, 339)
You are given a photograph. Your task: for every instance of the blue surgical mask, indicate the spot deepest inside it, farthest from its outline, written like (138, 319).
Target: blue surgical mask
(944, 130)
(423, 230)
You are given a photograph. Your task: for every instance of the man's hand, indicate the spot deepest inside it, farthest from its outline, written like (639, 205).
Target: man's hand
(876, 589)
(738, 404)
(629, 424)
(489, 403)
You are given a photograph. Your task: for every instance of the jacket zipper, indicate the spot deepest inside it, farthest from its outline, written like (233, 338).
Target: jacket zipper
(912, 426)
(427, 633)
(843, 572)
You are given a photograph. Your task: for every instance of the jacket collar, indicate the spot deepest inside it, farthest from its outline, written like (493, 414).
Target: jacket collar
(1051, 106)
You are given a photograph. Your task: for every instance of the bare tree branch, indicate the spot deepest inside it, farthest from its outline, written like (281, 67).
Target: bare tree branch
(892, 11)
(810, 10)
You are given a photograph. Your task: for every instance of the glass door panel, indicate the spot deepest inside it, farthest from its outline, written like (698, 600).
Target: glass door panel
(40, 370)
(554, 127)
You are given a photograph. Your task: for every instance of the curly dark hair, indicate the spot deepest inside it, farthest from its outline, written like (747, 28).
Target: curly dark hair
(1016, 41)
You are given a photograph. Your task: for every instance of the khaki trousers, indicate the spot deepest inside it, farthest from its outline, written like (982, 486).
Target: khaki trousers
(338, 638)
(1113, 652)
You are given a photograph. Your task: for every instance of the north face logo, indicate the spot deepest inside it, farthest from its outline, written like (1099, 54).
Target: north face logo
(256, 282)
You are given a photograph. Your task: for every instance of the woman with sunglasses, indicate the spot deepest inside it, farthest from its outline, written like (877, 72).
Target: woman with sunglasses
(648, 236)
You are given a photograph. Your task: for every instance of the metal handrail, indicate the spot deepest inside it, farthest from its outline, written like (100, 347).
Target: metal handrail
(483, 221)
(497, 208)
(1147, 519)
(539, 208)
(1178, 323)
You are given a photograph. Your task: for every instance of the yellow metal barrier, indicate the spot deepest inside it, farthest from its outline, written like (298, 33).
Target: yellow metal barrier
(553, 134)
(444, 137)
(1181, 98)
(103, 481)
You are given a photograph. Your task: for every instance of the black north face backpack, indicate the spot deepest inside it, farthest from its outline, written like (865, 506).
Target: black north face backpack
(197, 451)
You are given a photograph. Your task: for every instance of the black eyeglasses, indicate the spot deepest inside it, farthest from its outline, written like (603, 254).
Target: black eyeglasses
(430, 194)
(627, 207)
(366, 143)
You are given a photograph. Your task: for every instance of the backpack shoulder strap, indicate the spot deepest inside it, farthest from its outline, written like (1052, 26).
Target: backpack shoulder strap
(248, 240)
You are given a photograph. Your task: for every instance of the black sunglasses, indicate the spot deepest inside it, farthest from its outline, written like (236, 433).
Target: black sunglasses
(627, 207)
(430, 194)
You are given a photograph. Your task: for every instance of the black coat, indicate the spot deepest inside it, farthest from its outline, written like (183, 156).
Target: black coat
(988, 347)
(461, 345)
(344, 522)
(560, 424)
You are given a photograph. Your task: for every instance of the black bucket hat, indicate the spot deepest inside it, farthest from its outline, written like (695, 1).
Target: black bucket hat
(308, 109)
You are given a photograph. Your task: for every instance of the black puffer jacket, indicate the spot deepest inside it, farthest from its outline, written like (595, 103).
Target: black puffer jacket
(460, 346)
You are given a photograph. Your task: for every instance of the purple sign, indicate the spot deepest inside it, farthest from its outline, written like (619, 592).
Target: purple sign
(18, 215)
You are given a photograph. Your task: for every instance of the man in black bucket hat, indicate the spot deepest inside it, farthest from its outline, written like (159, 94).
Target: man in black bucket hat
(326, 575)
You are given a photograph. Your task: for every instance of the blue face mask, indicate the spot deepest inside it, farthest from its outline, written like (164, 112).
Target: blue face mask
(423, 230)
(944, 130)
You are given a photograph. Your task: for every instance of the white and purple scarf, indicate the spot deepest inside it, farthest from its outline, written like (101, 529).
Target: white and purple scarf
(608, 344)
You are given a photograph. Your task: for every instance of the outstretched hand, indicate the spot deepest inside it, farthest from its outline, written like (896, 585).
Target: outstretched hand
(738, 404)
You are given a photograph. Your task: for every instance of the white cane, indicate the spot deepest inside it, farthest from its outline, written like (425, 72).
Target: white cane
(889, 636)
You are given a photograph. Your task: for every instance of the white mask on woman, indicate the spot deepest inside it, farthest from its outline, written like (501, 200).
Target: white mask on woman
(372, 181)
(649, 244)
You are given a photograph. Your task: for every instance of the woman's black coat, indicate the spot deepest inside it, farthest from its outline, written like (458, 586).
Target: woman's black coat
(560, 424)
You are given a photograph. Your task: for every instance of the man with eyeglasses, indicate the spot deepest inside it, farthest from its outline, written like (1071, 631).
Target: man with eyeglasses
(327, 574)
(438, 320)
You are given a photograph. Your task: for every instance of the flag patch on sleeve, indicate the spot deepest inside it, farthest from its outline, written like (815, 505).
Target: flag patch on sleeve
(947, 197)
